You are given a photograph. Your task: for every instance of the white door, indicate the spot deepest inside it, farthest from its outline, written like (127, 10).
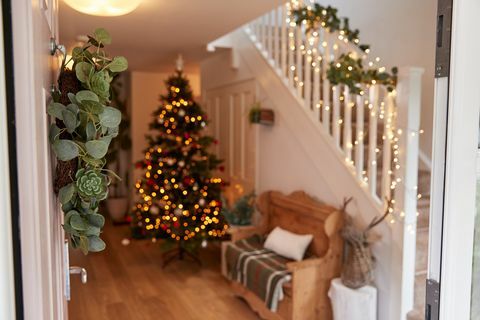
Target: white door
(228, 108)
(42, 238)
(454, 178)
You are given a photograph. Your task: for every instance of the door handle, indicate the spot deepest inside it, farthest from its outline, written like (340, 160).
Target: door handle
(81, 271)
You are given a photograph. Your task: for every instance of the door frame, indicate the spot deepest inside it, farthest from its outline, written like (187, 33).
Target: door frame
(462, 125)
(42, 282)
(10, 306)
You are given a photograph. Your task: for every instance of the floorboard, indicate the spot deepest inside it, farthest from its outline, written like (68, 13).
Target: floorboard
(128, 283)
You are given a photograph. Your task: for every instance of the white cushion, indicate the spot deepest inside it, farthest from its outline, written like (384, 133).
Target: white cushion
(288, 244)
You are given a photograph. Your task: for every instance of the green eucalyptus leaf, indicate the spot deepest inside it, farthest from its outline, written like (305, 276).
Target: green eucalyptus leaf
(95, 244)
(113, 132)
(55, 109)
(104, 130)
(82, 70)
(53, 133)
(96, 148)
(92, 231)
(93, 107)
(92, 162)
(72, 98)
(65, 149)
(100, 84)
(78, 222)
(102, 36)
(73, 107)
(106, 139)
(66, 193)
(69, 215)
(110, 117)
(70, 120)
(96, 220)
(68, 206)
(86, 95)
(83, 244)
(118, 64)
(91, 131)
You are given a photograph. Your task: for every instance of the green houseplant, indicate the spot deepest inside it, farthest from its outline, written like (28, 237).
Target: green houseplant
(84, 127)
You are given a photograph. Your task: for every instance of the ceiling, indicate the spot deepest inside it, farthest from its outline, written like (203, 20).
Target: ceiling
(151, 36)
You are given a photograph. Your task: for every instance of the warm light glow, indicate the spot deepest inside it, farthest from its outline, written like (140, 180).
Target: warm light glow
(104, 7)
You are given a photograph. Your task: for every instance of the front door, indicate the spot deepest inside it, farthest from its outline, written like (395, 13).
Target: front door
(34, 24)
(453, 285)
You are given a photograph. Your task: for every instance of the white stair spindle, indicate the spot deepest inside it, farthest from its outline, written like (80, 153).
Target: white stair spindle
(372, 141)
(387, 147)
(325, 82)
(316, 82)
(284, 41)
(291, 51)
(359, 147)
(276, 36)
(308, 75)
(336, 121)
(299, 59)
(347, 124)
(264, 33)
(270, 19)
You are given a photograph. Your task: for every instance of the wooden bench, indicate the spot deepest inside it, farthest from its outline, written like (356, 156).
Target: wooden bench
(306, 295)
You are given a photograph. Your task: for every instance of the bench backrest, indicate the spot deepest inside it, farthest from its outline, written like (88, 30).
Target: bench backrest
(302, 214)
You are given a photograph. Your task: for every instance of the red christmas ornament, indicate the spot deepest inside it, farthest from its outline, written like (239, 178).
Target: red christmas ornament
(186, 135)
(138, 165)
(215, 141)
(221, 168)
(176, 224)
(164, 227)
(150, 182)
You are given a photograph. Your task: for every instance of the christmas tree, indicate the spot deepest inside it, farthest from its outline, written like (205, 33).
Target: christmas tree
(179, 195)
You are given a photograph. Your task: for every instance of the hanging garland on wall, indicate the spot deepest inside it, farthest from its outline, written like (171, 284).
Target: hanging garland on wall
(84, 126)
(347, 69)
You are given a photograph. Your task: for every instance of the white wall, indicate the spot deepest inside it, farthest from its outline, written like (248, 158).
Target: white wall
(145, 91)
(401, 33)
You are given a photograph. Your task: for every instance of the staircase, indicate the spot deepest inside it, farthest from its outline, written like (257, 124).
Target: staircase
(372, 135)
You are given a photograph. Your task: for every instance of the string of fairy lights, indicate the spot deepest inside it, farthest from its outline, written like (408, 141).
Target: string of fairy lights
(318, 53)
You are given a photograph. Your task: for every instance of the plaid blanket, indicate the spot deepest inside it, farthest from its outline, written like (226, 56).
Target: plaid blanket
(260, 270)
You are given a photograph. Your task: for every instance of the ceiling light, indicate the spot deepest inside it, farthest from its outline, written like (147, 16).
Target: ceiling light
(104, 7)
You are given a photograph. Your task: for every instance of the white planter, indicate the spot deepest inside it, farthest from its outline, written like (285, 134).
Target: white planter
(117, 208)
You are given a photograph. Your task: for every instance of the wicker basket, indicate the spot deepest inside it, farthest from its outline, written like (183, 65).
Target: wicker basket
(358, 266)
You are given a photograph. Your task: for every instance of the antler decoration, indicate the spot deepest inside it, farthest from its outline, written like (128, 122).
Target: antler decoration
(377, 220)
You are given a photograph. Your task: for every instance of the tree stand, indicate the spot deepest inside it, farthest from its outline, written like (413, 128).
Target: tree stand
(178, 253)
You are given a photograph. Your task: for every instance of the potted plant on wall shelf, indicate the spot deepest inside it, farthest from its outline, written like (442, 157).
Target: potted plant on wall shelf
(117, 159)
(259, 115)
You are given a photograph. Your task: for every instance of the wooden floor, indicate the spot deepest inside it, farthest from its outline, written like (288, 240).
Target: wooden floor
(127, 282)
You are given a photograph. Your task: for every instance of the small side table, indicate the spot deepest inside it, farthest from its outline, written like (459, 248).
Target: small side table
(353, 304)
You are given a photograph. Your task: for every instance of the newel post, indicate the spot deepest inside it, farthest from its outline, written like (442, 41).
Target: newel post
(408, 101)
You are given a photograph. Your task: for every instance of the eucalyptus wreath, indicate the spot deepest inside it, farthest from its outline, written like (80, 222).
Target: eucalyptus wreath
(84, 127)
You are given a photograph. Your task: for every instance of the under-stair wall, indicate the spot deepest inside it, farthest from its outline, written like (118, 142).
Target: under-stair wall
(293, 154)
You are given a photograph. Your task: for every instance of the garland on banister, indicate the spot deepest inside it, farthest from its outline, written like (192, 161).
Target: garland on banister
(350, 71)
(326, 17)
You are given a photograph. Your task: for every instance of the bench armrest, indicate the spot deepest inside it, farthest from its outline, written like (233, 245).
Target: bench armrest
(245, 232)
